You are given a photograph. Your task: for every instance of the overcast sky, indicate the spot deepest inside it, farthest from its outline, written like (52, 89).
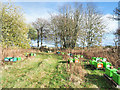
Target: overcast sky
(37, 8)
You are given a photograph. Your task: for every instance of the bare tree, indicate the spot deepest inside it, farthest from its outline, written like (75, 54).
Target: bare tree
(41, 26)
(117, 33)
(93, 27)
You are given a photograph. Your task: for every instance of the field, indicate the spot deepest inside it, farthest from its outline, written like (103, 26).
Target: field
(48, 70)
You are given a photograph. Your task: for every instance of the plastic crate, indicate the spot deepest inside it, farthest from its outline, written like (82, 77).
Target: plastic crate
(116, 77)
(109, 71)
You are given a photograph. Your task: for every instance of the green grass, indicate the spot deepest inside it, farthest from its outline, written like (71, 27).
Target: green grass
(47, 70)
(94, 78)
(44, 71)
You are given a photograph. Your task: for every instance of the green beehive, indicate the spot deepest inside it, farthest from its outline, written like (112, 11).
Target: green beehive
(26, 54)
(90, 61)
(18, 58)
(118, 68)
(78, 56)
(47, 51)
(97, 58)
(34, 54)
(93, 62)
(81, 56)
(116, 77)
(31, 54)
(101, 58)
(62, 53)
(109, 71)
(106, 64)
(74, 56)
(70, 60)
(104, 59)
(94, 58)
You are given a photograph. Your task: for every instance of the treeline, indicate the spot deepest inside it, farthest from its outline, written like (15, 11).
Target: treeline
(72, 24)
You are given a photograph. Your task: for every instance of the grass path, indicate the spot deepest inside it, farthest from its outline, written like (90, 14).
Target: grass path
(41, 72)
(47, 71)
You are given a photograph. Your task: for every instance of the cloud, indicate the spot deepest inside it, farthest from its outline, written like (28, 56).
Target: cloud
(40, 13)
(111, 24)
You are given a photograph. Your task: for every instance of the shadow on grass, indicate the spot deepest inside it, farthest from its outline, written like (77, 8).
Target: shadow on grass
(99, 81)
(63, 62)
(89, 67)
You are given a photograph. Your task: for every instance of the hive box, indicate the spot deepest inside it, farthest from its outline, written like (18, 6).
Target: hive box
(31, 54)
(97, 58)
(27, 54)
(19, 58)
(93, 62)
(106, 64)
(90, 61)
(71, 60)
(104, 59)
(7, 58)
(63, 53)
(14, 59)
(77, 60)
(81, 56)
(118, 68)
(34, 54)
(109, 71)
(94, 58)
(116, 77)
(78, 56)
(98, 65)
(58, 52)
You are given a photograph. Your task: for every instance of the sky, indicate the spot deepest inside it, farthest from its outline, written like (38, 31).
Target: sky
(34, 9)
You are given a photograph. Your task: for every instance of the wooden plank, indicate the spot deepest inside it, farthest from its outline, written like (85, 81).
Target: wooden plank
(112, 81)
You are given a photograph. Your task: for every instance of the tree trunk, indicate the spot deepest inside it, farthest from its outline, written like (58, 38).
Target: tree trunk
(38, 38)
(41, 35)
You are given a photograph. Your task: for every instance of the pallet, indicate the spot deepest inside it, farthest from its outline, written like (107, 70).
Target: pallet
(112, 81)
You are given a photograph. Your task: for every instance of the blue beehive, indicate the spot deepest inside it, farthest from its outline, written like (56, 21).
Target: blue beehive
(14, 59)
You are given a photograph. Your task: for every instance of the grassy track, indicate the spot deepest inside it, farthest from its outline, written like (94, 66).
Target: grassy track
(48, 71)
(40, 72)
